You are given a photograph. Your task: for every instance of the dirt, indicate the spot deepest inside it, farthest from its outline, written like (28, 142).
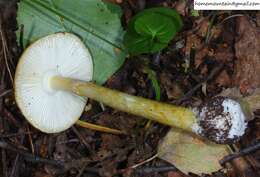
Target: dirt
(222, 40)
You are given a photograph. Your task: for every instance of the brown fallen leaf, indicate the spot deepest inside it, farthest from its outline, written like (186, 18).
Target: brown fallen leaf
(191, 154)
(172, 88)
(41, 173)
(247, 50)
(193, 40)
(203, 27)
(224, 53)
(175, 174)
(223, 79)
(181, 7)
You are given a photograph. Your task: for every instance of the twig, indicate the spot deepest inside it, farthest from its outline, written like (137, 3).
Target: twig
(82, 169)
(4, 167)
(82, 139)
(7, 114)
(5, 52)
(5, 92)
(14, 169)
(139, 164)
(100, 128)
(14, 134)
(194, 89)
(243, 152)
(229, 17)
(15, 164)
(30, 157)
(146, 161)
(30, 139)
(156, 169)
(77, 164)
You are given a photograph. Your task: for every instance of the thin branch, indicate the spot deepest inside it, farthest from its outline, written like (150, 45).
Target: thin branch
(213, 73)
(156, 169)
(6, 53)
(30, 157)
(243, 152)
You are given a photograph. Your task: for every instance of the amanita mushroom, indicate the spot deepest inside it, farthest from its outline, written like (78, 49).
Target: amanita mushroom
(52, 85)
(49, 110)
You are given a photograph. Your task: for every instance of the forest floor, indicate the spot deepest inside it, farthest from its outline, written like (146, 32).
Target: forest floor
(214, 51)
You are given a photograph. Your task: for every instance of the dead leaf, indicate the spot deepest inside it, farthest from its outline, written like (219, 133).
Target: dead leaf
(203, 27)
(181, 7)
(41, 173)
(224, 53)
(193, 41)
(243, 168)
(247, 66)
(191, 154)
(223, 79)
(258, 19)
(200, 55)
(172, 88)
(174, 174)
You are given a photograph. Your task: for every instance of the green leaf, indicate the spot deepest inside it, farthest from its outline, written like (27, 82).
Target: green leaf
(171, 13)
(159, 30)
(96, 22)
(151, 30)
(137, 44)
(189, 153)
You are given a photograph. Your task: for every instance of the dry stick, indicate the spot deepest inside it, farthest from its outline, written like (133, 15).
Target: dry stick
(30, 157)
(82, 139)
(82, 169)
(5, 52)
(7, 114)
(14, 165)
(5, 92)
(4, 166)
(99, 128)
(156, 169)
(77, 163)
(14, 168)
(139, 164)
(144, 162)
(194, 89)
(30, 139)
(14, 134)
(243, 152)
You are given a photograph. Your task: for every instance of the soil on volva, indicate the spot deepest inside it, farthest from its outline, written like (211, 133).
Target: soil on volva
(214, 51)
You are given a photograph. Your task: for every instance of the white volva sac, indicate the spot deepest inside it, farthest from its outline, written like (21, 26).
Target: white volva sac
(238, 119)
(221, 120)
(61, 54)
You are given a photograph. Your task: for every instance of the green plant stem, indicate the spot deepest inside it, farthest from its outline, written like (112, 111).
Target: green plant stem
(167, 114)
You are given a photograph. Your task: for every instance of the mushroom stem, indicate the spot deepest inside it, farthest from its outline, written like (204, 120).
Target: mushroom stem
(174, 116)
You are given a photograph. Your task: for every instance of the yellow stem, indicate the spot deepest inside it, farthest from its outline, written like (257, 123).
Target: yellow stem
(167, 114)
(98, 127)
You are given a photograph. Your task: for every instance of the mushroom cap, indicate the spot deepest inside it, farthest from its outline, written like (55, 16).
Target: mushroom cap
(221, 120)
(59, 54)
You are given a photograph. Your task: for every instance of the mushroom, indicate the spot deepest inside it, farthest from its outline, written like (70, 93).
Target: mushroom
(52, 83)
(47, 109)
